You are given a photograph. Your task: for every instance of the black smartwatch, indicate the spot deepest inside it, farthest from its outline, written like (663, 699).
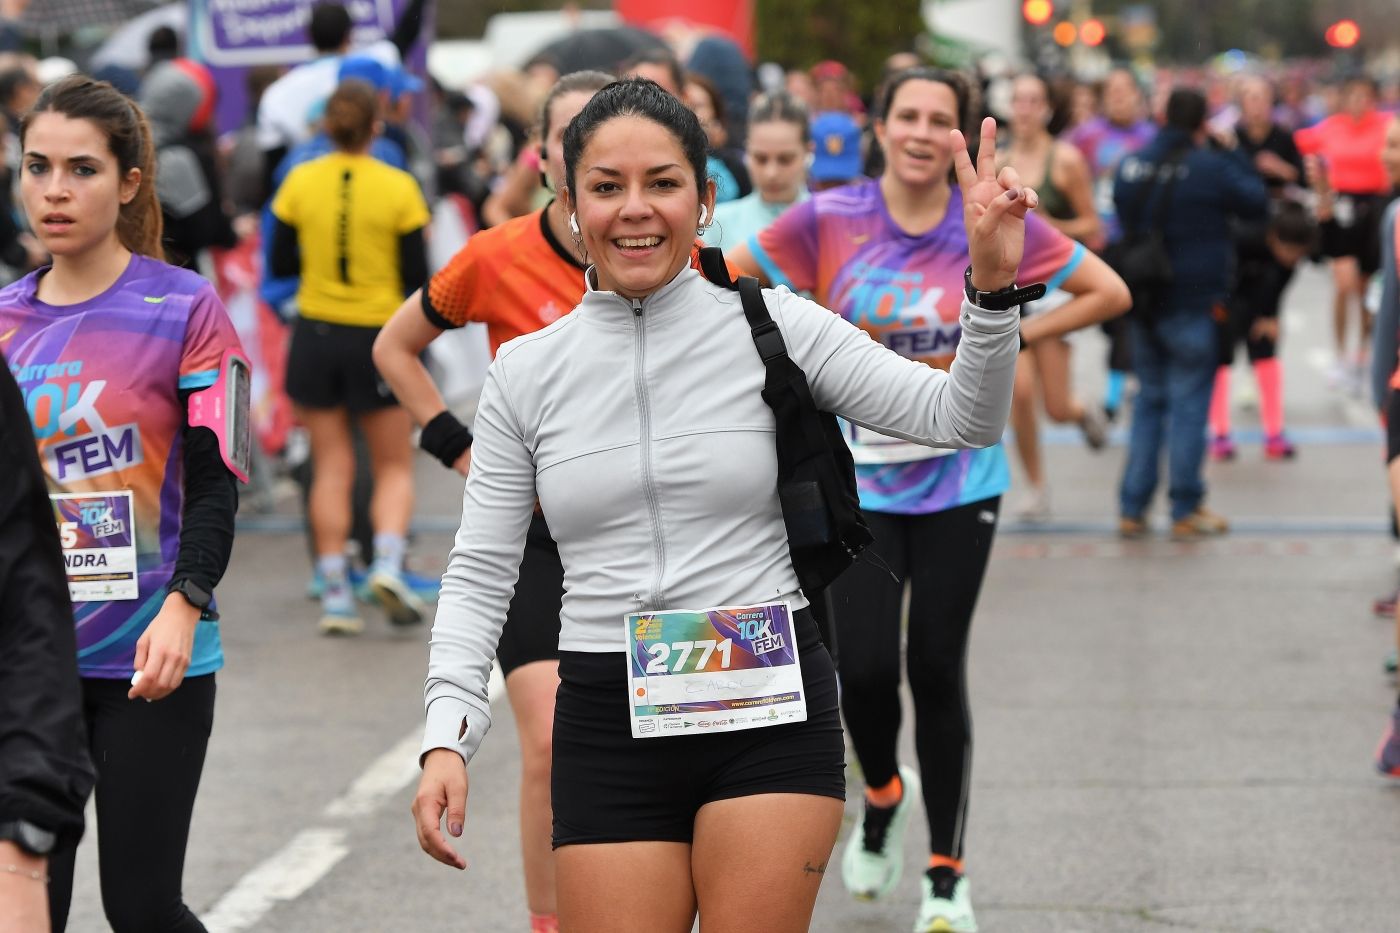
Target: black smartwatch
(1003, 299)
(31, 839)
(196, 595)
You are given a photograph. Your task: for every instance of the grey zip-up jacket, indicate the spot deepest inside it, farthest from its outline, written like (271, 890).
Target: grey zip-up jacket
(640, 427)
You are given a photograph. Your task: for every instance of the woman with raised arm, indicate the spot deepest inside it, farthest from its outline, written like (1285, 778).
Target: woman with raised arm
(637, 421)
(888, 255)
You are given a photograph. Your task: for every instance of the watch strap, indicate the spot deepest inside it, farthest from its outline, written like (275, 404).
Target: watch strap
(1002, 299)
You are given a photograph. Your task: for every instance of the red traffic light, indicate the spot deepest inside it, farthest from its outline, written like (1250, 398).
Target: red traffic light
(1038, 12)
(1092, 32)
(1343, 34)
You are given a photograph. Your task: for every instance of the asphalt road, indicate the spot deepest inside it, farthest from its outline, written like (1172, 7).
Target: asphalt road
(1168, 736)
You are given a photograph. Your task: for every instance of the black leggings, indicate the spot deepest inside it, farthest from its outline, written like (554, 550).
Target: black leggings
(943, 556)
(149, 757)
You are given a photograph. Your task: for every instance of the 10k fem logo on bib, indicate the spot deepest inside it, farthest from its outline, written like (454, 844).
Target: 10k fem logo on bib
(98, 535)
(713, 670)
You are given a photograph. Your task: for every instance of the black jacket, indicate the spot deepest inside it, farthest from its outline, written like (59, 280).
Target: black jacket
(45, 771)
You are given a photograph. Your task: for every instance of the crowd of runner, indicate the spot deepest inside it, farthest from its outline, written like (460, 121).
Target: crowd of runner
(567, 214)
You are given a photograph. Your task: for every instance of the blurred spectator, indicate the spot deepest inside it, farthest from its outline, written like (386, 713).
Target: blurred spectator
(178, 97)
(780, 145)
(1269, 146)
(725, 164)
(162, 45)
(719, 59)
(1191, 193)
(836, 158)
(836, 90)
(660, 66)
(284, 112)
(243, 169)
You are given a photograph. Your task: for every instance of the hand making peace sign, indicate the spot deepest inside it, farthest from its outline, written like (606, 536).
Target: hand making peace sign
(994, 211)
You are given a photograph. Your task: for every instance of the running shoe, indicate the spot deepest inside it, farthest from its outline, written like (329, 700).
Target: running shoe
(874, 855)
(1035, 508)
(338, 613)
(1201, 523)
(425, 586)
(1131, 528)
(1094, 425)
(1278, 447)
(947, 904)
(396, 597)
(1222, 448)
(1388, 755)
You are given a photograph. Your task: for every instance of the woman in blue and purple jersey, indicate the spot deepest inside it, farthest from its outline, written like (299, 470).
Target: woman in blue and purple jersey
(889, 255)
(108, 344)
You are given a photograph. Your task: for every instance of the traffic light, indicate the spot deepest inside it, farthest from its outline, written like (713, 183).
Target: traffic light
(1038, 12)
(1092, 32)
(1343, 34)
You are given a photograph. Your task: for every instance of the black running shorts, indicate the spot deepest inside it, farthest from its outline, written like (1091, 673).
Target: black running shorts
(531, 632)
(330, 366)
(610, 787)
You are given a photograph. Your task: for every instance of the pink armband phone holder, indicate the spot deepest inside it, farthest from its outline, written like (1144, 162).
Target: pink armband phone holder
(224, 409)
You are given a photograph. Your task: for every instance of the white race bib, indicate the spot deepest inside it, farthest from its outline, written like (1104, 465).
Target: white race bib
(98, 534)
(712, 670)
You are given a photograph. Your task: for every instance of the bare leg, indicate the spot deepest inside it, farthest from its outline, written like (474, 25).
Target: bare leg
(387, 434)
(626, 887)
(1052, 363)
(1345, 279)
(531, 688)
(332, 477)
(1024, 421)
(735, 843)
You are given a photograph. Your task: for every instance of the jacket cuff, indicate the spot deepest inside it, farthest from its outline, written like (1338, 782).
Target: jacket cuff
(989, 322)
(446, 716)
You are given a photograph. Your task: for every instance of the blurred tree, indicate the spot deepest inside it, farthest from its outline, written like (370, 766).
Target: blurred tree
(800, 33)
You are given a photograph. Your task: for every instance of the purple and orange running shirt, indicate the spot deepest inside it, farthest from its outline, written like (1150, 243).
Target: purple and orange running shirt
(905, 291)
(101, 381)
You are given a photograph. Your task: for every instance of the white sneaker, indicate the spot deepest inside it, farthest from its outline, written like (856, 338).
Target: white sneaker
(947, 904)
(1035, 507)
(874, 855)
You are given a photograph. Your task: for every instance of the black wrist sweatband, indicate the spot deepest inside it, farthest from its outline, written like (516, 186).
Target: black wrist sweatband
(445, 438)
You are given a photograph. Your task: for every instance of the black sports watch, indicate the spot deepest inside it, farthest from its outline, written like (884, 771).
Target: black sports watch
(33, 840)
(196, 595)
(1003, 299)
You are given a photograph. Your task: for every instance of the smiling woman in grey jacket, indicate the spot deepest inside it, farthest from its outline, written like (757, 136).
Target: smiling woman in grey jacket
(698, 763)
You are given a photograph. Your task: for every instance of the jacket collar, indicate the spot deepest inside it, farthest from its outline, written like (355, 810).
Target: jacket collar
(610, 308)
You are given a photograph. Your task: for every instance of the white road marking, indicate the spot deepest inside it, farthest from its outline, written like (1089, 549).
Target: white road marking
(302, 862)
(312, 853)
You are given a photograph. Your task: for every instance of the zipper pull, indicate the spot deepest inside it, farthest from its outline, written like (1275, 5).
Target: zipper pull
(637, 307)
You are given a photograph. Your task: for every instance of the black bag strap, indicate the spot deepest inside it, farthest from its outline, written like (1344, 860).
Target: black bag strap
(766, 335)
(1141, 205)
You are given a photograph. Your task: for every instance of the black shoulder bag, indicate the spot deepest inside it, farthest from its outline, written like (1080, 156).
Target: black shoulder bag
(816, 474)
(1140, 256)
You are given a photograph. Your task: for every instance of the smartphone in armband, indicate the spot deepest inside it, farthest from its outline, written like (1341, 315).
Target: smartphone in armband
(224, 409)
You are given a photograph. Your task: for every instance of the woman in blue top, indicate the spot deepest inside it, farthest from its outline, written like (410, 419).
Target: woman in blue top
(779, 151)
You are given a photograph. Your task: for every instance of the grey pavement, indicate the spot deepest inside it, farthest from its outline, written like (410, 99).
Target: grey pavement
(1169, 736)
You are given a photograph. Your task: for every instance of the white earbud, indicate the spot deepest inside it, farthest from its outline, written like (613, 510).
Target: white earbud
(704, 215)
(573, 224)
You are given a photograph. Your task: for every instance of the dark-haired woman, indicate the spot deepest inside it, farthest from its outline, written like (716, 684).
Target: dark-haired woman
(888, 256)
(1060, 175)
(515, 278)
(779, 148)
(726, 164)
(637, 421)
(351, 228)
(108, 343)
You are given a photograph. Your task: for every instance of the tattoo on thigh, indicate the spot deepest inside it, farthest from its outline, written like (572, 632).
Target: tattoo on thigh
(810, 869)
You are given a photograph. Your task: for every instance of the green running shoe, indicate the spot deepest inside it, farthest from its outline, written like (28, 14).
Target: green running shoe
(874, 855)
(947, 905)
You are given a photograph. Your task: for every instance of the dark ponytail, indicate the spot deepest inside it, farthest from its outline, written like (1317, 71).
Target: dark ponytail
(117, 116)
